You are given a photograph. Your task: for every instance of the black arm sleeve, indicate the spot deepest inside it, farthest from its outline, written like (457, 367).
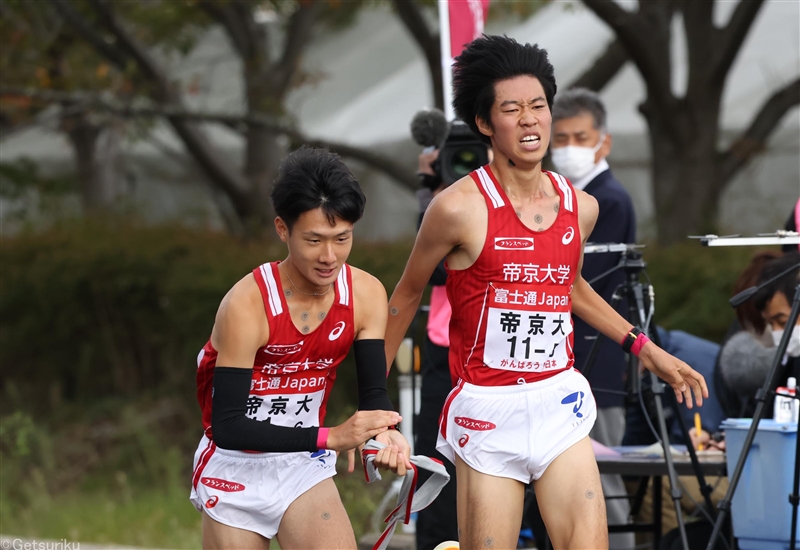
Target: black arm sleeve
(371, 375)
(232, 429)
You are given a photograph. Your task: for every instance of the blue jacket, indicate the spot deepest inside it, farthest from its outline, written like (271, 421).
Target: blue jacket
(616, 223)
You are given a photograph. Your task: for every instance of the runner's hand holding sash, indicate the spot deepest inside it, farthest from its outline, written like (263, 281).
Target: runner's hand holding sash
(408, 501)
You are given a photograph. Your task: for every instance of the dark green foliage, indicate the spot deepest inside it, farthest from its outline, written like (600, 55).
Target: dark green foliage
(692, 285)
(95, 310)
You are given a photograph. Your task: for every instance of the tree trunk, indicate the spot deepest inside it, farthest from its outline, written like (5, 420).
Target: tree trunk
(687, 173)
(96, 149)
(263, 154)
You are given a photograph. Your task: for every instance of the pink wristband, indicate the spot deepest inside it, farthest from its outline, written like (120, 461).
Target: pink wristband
(322, 438)
(637, 346)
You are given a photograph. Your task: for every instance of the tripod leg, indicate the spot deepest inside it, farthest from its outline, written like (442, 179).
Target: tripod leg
(794, 498)
(675, 492)
(636, 305)
(705, 488)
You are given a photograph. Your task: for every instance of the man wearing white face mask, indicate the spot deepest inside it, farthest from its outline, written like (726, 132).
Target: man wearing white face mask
(580, 145)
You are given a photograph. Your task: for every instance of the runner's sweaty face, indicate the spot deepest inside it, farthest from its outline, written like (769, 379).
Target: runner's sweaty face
(317, 249)
(520, 121)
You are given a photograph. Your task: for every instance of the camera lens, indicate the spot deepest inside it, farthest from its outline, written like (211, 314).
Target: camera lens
(465, 161)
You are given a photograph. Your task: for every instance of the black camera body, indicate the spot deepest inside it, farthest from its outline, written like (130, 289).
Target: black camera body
(460, 153)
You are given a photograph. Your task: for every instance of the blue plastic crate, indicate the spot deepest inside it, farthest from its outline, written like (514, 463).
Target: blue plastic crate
(761, 513)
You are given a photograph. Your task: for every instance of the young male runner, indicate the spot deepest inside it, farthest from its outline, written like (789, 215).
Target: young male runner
(513, 236)
(264, 465)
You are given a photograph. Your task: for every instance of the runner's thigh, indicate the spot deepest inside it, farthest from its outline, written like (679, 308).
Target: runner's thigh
(489, 509)
(571, 500)
(218, 536)
(317, 520)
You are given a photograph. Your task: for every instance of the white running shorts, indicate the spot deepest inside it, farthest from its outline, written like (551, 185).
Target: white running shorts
(516, 431)
(252, 491)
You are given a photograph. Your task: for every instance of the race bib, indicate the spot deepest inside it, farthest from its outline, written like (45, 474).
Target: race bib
(527, 330)
(289, 400)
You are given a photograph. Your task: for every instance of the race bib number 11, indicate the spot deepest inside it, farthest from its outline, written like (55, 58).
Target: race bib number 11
(527, 337)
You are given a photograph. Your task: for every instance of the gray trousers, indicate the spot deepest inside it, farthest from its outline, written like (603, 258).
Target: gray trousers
(608, 430)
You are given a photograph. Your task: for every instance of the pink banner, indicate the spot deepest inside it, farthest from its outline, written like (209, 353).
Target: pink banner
(467, 18)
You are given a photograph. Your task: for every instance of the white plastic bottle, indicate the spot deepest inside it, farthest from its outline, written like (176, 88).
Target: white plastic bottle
(786, 408)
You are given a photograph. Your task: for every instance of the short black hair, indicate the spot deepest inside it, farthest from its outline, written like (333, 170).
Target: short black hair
(311, 178)
(785, 284)
(488, 60)
(577, 101)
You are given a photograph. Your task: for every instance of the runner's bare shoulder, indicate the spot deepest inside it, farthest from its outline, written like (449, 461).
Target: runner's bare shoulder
(457, 206)
(368, 289)
(241, 315)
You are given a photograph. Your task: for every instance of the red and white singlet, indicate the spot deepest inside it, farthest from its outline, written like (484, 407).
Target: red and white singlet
(512, 308)
(294, 373)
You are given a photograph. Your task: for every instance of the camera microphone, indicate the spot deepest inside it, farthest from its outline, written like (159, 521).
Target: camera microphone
(429, 127)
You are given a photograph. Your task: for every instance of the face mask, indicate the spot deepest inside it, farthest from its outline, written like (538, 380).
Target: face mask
(793, 347)
(575, 162)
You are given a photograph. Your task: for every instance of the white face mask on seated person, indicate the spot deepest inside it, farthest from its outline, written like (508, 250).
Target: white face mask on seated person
(574, 161)
(793, 347)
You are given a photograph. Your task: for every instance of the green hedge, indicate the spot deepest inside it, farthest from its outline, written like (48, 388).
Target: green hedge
(92, 310)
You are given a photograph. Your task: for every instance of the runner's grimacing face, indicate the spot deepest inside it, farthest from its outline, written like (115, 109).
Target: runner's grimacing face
(521, 120)
(317, 249)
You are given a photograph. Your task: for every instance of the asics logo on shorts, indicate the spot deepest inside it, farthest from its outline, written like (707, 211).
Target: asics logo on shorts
(463, 440)
(576, 398)
(337, 331)
(210, 503)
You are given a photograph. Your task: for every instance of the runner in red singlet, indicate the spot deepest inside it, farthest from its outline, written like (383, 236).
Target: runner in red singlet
(263, 467)
(513, 238)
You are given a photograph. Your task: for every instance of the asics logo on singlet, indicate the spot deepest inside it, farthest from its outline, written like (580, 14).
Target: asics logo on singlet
(513, 243)
(576, 398)
(337, 331)
(568, 236)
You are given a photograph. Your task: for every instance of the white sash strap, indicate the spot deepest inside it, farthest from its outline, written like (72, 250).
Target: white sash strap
(408, 501)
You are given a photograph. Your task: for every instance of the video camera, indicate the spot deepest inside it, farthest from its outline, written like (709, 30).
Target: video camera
(460, 150)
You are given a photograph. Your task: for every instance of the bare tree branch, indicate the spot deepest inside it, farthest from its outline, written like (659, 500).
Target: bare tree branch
(297, 35)
(732, 37)
(87, 31)
(646, 37)
(428, 41)
(641, 41)
(603, 69)
(133, 48)
(399, 172)
(216, 167)
(226, 15)
(700, 38)
(753, 140)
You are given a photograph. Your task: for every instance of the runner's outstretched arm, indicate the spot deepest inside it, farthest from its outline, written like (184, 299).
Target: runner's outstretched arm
(437, 236)
(592, 308)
